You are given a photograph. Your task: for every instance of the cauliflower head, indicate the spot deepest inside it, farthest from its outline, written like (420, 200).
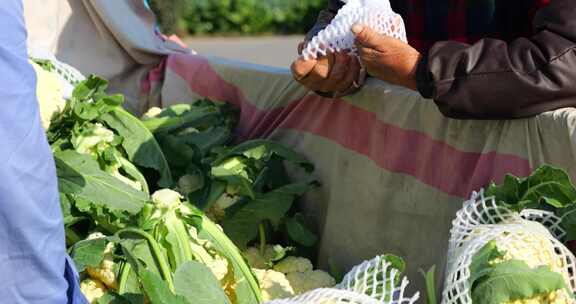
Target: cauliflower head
(167, 199)
(152, 113)
(303, 282)
(93, 140)
(219, 267)
(92, 290)
(262, 261)
(533, 246)
(105, 272)
(293, 264)
(49, 93)
(274, 285)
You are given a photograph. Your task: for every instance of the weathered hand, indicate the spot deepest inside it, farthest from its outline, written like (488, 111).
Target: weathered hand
(387, 58)
(329, 74)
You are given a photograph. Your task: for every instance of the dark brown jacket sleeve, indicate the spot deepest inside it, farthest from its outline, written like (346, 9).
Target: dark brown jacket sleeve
(493, 79)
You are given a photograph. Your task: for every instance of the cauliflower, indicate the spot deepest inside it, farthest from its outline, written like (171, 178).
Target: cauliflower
(49, 93)
(219, 267)
(93, 140)
(556, 297)
(257, 260)
(167, 199)
(105, 272)
(303, 282)
(293, 264)
(190, 183)
(273, 284)
(92, 290)
(151, 113)
(535, 249)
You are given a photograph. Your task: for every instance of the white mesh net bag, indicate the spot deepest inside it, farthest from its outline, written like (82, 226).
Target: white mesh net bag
(530, 236)
(69, 76)
(337, 36)
(373, 282)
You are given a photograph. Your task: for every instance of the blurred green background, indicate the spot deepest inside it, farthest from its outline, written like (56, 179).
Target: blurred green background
(236, 17)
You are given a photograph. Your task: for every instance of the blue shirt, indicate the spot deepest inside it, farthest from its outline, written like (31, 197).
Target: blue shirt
(34, 266)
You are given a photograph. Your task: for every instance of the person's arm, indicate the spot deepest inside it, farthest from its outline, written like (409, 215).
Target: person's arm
(493, 79)
(32, 247)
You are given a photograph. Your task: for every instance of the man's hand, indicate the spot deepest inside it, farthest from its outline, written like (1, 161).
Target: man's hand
(387, 58)
(329, 74)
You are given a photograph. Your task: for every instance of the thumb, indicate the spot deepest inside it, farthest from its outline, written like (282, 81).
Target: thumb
(367, 37)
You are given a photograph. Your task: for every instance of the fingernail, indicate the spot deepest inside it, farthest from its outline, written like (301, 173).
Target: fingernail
(357, 28)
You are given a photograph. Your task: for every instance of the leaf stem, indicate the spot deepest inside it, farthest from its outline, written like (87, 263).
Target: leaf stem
(155, 249)
(124, 273)
(262, 233)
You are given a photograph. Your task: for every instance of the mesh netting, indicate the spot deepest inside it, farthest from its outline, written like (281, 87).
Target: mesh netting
(531, 236)
(69, 77)
(372, 282)
(337, 36)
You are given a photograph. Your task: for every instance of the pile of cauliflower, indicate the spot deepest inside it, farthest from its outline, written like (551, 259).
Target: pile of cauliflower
(290, 277)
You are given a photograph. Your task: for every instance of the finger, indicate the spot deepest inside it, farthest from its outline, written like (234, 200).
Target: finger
(367, 54)
(319, 78)
(322, 70)
(301, 68)
(367, 37)
(338, 71)
(301, 47)
(340, 68)
(351, 76)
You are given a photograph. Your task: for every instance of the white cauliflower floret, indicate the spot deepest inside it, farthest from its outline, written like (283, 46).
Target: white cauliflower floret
(49, 93)
(254, 258)
(166, 198)
(93, 140)
(151, 113)
(555, 297)
(219, 267)
(105, 272)
(535, 248)
(273, 284)
(95, 236)
(92, 290)
(294, 264)
(257, 260)
(303, 282)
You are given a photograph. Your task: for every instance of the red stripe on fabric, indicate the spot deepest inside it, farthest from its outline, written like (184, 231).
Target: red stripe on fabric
(395, 149)
(154, 76)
